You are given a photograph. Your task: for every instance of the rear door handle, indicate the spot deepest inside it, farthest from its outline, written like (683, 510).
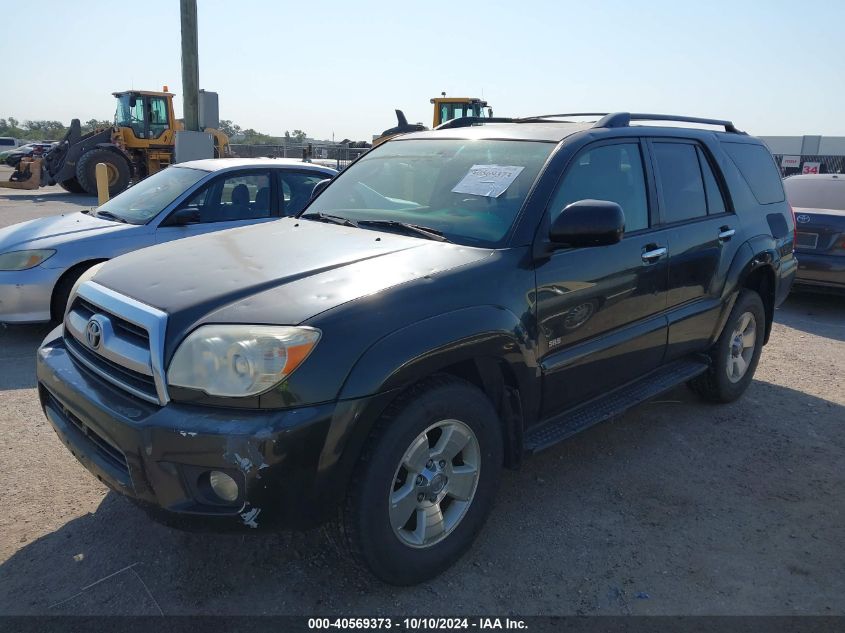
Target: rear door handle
(726, 233)
(653, 253)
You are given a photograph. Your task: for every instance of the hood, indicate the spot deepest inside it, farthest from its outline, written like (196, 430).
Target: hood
(55, 230)
(282, 272)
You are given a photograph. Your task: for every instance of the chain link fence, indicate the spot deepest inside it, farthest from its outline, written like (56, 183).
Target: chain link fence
(824, 164)
(336, 155)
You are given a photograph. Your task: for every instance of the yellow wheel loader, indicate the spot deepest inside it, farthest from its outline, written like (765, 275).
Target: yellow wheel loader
(140, 143)
(445, 109)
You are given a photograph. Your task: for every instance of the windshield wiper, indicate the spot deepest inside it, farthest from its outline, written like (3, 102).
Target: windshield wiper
(108, 215)
(328, 217)
(416, 229)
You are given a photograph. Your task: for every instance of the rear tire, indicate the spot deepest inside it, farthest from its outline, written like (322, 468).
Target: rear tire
(735, 356)
(118, 169)
(71, 185)
(407, 468)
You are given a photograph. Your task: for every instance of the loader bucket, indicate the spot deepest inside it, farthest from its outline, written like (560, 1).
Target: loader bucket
(26, 176)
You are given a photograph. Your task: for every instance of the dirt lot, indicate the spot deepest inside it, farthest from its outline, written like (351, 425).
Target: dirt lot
(676, 508)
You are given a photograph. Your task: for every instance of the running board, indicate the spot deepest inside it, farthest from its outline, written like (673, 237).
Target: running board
(616, 402)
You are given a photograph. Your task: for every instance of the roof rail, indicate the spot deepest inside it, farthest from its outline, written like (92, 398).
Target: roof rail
(467, 121)
(541, 117)
(623, 119)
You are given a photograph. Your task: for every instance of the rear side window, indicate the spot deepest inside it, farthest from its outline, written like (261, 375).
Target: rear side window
(680, 181)
(7, 142)
(757, 167)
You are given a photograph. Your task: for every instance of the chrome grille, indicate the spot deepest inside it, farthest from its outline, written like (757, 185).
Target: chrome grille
(119, 339)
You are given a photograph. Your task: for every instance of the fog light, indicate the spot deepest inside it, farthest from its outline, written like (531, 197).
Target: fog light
(223, 486)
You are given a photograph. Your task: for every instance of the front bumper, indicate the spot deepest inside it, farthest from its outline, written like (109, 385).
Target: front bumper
(25, 294)
(160, 456)
(820, 272)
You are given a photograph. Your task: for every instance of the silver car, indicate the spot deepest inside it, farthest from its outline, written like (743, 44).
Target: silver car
(40, 260)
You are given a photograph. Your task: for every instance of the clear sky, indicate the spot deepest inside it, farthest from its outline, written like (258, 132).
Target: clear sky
(774, 67)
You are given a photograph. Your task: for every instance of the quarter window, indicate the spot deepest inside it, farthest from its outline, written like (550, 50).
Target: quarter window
(680, 181)
(607, 172)
(758, 168)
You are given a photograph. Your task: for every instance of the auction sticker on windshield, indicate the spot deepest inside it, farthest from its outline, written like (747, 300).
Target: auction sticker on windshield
(488, 180)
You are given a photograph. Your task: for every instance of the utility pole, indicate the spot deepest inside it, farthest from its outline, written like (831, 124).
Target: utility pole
(190, 65)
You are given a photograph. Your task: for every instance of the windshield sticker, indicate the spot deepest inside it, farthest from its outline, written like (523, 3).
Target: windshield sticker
(488, 180)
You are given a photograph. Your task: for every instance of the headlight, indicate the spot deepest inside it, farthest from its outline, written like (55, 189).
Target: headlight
(239, 360)
(22, 260)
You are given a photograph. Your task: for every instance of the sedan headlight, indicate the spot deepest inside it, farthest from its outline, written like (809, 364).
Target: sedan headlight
(240, 360)
(22, 260)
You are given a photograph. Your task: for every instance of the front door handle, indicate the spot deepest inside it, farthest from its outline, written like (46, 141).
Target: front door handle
(726, 233)
(653, 253)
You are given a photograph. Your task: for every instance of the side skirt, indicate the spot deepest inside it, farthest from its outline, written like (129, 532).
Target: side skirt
(577, 419)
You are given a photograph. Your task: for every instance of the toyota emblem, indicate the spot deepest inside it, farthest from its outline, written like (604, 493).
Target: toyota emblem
(803, 218)
(94, 333)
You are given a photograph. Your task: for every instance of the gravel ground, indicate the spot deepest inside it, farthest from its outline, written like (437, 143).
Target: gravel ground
(678, 507)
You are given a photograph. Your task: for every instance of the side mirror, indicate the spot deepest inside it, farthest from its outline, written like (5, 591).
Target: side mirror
(318, 188)
(184, 217)
(588, 223)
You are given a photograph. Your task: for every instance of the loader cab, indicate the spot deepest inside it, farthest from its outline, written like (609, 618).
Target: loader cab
(144, 117)
(448, 108)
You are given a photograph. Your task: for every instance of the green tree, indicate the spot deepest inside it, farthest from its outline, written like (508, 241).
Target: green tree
(94, 124)
(229, 128)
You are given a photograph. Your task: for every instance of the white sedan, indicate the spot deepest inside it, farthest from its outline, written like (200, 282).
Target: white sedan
(40, 260)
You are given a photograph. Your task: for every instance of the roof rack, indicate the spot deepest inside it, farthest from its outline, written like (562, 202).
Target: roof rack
(607, 120)
(623, 119)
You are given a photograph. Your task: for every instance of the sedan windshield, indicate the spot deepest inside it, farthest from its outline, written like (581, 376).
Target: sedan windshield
(142, 202)
(469, 191)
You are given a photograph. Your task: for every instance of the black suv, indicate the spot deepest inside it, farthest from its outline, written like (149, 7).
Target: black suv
(454, 300)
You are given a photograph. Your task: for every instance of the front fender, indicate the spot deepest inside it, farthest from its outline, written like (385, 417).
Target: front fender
(425, 347)
(407, 355)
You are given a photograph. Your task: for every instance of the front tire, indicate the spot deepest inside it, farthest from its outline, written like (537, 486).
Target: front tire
(425, 482)
(117, 167)
(736, 354)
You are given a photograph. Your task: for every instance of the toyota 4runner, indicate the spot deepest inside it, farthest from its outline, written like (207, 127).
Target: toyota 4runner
(453, 301)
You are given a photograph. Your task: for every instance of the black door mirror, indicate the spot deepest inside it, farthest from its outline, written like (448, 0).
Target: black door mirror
(184, 217)
(318, 188)
(588, 223)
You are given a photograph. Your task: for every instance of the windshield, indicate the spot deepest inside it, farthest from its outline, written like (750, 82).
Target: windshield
(816, 193)
(123, 115)
(469, 190)
(140, 203)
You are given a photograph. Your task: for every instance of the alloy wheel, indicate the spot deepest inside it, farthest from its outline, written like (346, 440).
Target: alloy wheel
(435, 483)
(741, 349)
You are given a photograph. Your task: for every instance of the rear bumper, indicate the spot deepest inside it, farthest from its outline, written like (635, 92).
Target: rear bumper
(821, 272)
(285, 462)
(25, 294)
